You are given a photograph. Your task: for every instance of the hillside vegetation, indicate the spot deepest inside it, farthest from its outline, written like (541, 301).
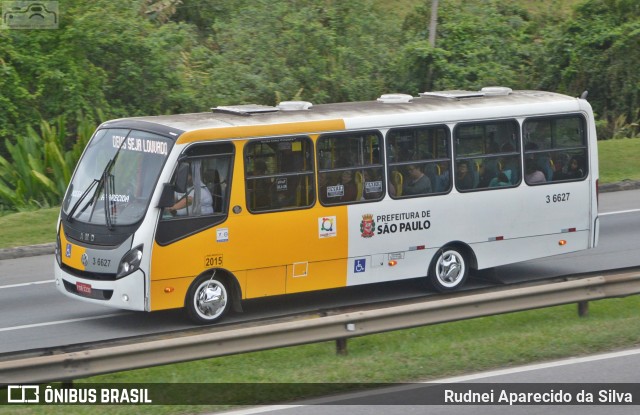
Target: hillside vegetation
(120, 58)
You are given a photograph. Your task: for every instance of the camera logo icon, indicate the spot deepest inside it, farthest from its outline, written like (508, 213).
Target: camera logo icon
(30, 15)
(23, 394)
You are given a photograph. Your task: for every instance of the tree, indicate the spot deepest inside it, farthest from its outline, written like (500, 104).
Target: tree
(479, 44)
(597, 50)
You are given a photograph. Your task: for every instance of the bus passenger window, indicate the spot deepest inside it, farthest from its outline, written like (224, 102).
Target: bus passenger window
(556, 146)
(487, 155)
(279, 174)
(419, 161)
(350, 168)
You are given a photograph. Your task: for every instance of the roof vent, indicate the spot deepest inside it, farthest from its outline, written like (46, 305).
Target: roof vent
(493, 91)
(246, 109)
(294, 105)
(395, 98)
(454, 94)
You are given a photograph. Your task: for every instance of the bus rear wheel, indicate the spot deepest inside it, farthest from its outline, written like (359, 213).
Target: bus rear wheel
(207, 300)
(449, 269)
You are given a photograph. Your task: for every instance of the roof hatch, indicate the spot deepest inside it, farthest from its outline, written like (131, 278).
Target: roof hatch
(294, 105)
(395, 98)
(246, 109)
(490, 91)
(250, 109)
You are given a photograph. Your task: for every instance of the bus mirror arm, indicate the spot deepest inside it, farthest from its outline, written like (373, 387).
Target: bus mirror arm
(167, 198)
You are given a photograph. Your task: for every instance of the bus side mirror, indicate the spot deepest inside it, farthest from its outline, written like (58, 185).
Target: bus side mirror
(167, 198)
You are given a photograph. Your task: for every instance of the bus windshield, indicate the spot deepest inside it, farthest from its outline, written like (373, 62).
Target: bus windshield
(115, 178)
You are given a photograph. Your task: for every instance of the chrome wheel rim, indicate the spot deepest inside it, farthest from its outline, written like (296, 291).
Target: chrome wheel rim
(210, 299)
(450, 269)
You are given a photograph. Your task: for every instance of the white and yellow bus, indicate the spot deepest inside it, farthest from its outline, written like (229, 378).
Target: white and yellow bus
(205, 210)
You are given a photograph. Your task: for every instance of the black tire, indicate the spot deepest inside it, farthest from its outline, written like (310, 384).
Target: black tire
(449, 269)
(208, 299)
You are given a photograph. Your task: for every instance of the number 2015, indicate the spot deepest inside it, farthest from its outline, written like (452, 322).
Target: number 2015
(213, 261)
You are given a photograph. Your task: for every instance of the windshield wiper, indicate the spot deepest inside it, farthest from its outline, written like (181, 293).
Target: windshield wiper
(107, 183)
(101, 183)
(84, 194)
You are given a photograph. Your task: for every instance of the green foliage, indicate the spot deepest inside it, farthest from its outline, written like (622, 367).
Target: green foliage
(40, 167)
(330, 52)
(597, 50)
(478, 44)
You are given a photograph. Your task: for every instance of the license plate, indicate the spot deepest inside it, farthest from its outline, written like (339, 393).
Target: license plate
(82, 288)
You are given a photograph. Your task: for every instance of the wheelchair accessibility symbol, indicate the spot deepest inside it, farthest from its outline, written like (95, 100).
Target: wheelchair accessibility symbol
(359, 265)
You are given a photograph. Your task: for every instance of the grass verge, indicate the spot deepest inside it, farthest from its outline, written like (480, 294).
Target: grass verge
(424, 353)
(41, 229)
(619, 160)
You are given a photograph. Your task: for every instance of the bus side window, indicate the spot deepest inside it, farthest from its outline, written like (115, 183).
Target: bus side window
(487, 155)
(204, 201)
(419, 161)
(279, 174)
(557, 147)
(350, 168)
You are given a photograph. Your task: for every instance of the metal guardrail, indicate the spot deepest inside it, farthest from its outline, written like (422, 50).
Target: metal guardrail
(80, 364)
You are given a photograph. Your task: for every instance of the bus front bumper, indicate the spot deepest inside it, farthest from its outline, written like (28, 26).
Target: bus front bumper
(126, 293)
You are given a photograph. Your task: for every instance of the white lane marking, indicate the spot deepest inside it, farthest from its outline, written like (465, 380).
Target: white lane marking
(619, 212)
(54, 323)
(537, 366)
(25, 284)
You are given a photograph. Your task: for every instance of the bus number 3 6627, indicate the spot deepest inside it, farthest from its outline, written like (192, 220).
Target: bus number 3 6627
(560, 197)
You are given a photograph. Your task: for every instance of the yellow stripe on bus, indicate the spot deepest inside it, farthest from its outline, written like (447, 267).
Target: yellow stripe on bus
(305, 127)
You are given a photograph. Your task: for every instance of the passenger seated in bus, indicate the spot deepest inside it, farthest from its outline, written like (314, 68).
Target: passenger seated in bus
(443, 178)
(417, 182)
(464, 179)
(502, 180)
(214, 185)
(484, 175)
(532, 174)
(261, 188)
(344, 189)
(511, 163)
(574, 170)
(350, 190)
(196, 201)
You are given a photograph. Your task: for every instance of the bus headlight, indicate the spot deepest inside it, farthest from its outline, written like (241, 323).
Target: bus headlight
(130, 262)
(58, 254)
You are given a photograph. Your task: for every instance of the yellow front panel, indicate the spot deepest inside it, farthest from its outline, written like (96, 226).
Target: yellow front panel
(71, 253)
(169, 293)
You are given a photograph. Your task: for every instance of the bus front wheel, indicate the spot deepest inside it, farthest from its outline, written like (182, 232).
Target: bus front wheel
(449, 269)
(207, 299)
